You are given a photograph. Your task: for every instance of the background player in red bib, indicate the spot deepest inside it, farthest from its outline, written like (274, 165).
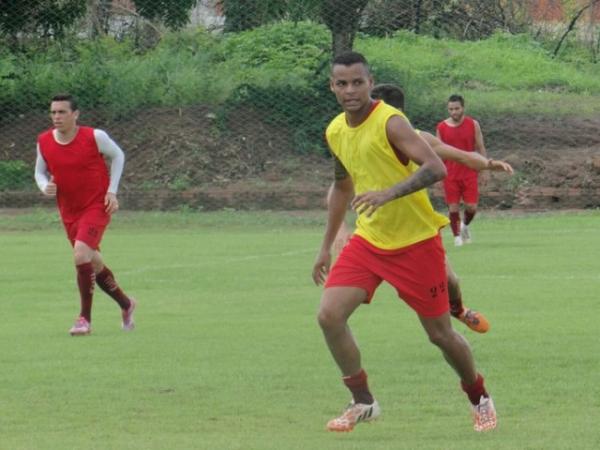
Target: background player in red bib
(70, 166)
(463, 132)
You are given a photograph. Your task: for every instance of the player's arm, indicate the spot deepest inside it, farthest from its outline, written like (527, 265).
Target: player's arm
(479, 145)
(343, 234)
(473, 160)
(338, 198)
(43, 180)
(405, 139)
(109, 148)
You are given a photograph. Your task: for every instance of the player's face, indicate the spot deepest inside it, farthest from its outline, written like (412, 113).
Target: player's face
(63, 117)
(456, 111)
(352, 86)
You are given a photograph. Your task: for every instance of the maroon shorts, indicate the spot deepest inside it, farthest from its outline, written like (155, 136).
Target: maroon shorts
(88, 227)
(418, 273)
(465, 188)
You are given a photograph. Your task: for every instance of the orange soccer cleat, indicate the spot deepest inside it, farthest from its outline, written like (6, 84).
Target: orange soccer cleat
(474, 320)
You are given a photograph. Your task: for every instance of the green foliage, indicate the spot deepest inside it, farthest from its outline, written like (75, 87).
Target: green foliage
(14, 175)
(281, 52)
(45, 17)
(303, 110)
(174, 13)
(243, 15)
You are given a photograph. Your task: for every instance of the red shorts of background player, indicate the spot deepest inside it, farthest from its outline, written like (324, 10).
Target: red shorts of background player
(465, 188)
(88, 227)
(418, 273)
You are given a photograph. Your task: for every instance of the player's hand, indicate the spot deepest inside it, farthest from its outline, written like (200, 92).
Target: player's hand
(321, 267)
(369, 202)
(111, 203)
(50, 189)
(500, 166)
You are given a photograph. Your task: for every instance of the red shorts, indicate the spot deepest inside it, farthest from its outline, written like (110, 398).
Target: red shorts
(418, 273)
(465, 188)
(88, 227)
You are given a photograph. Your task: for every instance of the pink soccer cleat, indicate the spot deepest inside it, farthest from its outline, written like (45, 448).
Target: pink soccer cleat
(81, 327)
(127, 315)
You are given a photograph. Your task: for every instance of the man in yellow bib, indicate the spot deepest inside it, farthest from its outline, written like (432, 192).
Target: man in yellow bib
(379, 156)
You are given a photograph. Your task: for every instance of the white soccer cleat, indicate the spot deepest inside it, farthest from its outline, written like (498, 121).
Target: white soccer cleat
(465, 233)
(127, 315)
(353, 414)
(484, 415)
(458, 241)
(81, 327)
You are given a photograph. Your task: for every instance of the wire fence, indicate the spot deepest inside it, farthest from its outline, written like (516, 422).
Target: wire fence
(223, 104)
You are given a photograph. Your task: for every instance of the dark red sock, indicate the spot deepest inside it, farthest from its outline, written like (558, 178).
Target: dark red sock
(469, 216)
(475, 391)
(455, 222)
(106, 281)
(359, 388)
(85, 282)
(456, 306)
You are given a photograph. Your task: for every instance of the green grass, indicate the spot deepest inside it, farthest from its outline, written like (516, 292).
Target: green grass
(228, 355)
(501, 75)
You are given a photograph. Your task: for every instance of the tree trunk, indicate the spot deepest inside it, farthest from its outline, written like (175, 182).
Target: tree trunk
(342, 17)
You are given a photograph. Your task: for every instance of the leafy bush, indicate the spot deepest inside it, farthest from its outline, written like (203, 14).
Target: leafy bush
(14, 175)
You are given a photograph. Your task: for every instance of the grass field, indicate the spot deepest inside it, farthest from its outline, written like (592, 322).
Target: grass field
(227, 353)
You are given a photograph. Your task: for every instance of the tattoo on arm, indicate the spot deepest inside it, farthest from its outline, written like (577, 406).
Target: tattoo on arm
(421, 179)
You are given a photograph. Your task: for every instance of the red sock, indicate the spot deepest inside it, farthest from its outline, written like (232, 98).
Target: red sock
(456, 306)
(475, 391)
(106, 280)
(455, 222)
(359, 388)
(469, 216)
(85, 282)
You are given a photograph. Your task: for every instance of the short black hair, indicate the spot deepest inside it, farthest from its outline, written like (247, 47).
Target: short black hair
(350, 58)
(392, 95)
(64, 97)
(457, 98)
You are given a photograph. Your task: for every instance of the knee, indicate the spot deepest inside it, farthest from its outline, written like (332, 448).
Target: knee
(81, 255)
(329, 319)
(440, 338)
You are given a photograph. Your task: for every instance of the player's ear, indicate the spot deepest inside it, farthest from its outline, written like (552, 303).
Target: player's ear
(331, 84)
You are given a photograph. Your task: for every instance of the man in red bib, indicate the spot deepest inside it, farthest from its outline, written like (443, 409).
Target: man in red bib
(70, 166)
(464, 133)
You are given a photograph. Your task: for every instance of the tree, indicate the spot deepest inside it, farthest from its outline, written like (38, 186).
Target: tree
(342, 17)
(173, 13)
(48, 18)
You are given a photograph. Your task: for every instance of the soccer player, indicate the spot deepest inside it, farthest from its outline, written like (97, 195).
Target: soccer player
(70, 166)
(463, 132)
(380, 157)
(394, 96)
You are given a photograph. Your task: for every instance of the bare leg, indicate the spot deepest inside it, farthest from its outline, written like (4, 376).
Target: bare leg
(454, 292)
(337, 305)
(454, 347)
